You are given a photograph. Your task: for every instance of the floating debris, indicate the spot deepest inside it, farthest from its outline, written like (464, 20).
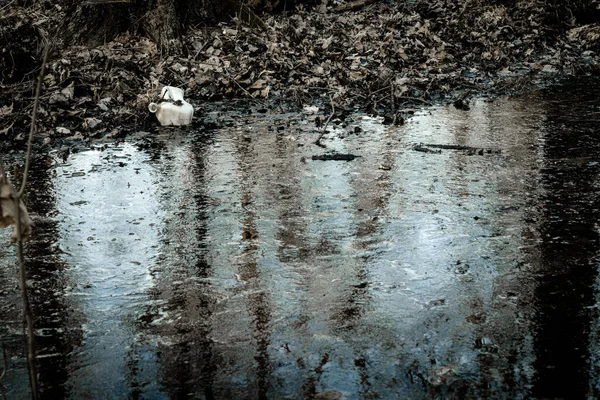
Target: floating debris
(335, 157)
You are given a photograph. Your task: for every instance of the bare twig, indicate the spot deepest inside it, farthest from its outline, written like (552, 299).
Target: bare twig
(9, 3)
(318, 141)
(353, 5)
(236, 82)
(33, 118)
(330, 115)
(386, 87)
(393, 98)
(414, 99)
(253, 19)
(27, 312)
(4, 369)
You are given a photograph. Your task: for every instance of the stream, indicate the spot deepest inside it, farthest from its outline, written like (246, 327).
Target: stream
(456, 257)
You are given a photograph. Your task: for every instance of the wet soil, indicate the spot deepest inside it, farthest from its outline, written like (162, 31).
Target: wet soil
(237, 262)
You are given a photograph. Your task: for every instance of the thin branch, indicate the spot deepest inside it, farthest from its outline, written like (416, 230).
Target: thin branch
(414, 99)
(6, 6)
(27, 312)
(386, 87)
(4, 363)
(252, 17)
(330, 115)
(32, 128)
(393, 103)
(393, 98)
(318, 141)
(236, 82)
(353, 5)
(4, 369)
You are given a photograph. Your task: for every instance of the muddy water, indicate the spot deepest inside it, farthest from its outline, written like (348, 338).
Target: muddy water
(227, 263)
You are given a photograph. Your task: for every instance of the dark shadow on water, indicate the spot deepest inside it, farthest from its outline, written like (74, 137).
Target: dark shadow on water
(570, 244)
(58, 331)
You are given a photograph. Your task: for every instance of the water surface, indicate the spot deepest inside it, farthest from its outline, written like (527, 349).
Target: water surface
(227, 263)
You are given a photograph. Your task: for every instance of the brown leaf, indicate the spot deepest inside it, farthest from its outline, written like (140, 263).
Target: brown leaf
(5, 130)
(265, 92)
(258, 84)
(8, 212)
(5, 110)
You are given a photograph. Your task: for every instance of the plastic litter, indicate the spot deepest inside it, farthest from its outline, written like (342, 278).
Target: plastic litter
(174, 110)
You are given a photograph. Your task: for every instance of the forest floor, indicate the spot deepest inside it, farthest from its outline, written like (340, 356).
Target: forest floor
(382, 58)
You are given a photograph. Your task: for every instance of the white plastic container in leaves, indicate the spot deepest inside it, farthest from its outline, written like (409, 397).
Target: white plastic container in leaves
(173, 110)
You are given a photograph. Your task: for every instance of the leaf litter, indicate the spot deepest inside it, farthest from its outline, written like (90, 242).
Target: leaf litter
(381, 58)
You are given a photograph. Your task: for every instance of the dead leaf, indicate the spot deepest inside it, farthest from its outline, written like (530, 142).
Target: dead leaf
(327, 42)
(57, 98)
(318, 70)
(265, 92)
(91, 123)
(357, 75)
(69, 91)
(258, 84)
(589, 33)
(5, 130)
(8, 212)
(310, 109)
(5, 110)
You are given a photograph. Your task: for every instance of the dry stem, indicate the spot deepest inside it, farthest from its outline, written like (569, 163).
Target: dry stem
(414, 99)
(4, 369)
(27, 312)
(33, 118)
(318, 141)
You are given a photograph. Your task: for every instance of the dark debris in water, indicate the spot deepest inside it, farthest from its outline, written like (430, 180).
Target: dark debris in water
(424, 149)
(335, 157)
(461, 104)
(470, 150)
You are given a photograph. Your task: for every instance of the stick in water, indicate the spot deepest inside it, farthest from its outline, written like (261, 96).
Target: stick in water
(318, 141)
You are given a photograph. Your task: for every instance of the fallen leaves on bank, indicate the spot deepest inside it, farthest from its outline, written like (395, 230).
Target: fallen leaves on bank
(378, 58)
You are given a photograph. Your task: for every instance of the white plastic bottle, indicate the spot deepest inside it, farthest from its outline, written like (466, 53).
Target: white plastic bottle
(175, 111)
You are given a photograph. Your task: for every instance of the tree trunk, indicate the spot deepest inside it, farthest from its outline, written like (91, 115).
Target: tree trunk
(160, 23)
(93, 22)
